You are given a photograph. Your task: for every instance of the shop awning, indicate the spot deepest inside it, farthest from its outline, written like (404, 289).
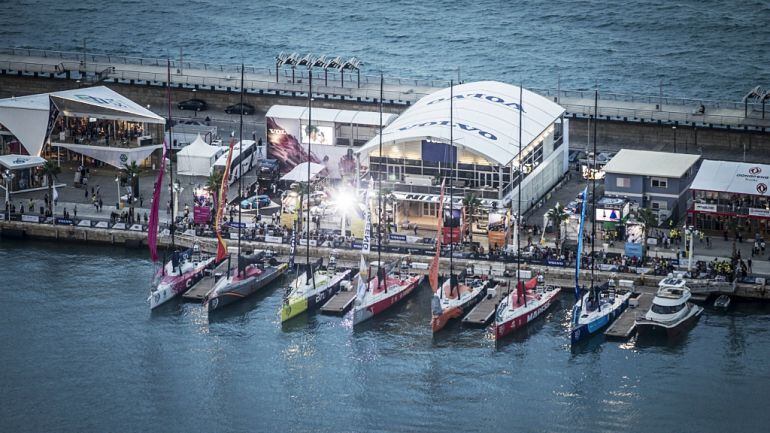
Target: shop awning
(19, 162)
(299, 173)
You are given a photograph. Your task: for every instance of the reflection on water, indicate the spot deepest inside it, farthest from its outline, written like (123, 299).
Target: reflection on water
(83, 352)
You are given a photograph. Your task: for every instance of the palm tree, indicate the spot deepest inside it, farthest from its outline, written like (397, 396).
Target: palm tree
(302, 189)
(132, 173)
(50, 171)
(557, 216)
(648, 218)
(471, 203)
(213, 185)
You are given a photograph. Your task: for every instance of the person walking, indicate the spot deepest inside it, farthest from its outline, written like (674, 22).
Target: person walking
(101, 205)
(75, 211)
(748, 262)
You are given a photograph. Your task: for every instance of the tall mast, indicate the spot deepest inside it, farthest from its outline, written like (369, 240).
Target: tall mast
(593, 190)
(170, 146)
(452, 155)
(379, 198)
(309, 144)
(240, 174)
(518, 213)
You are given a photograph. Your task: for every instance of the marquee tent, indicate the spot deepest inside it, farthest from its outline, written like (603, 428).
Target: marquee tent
(485, 120)
(27, 117)
(114, 156)
(299, 172)
(732, 177)
(197, 158)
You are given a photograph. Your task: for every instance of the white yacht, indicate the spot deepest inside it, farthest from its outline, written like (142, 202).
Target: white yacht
(670, 312)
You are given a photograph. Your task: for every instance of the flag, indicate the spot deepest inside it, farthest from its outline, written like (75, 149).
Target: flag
(580, 242)
(362, 278)
(152, 224)
(366, 247)
(434, 265)
(53, 115)
(55, 194)
(293, 246)
(221, 246)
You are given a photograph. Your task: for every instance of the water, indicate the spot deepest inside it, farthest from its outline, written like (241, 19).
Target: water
(700, 49)
(81, 352)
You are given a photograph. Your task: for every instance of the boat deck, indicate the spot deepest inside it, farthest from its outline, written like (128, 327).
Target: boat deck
(483, 313)
(199, 290)
(625, 325)
(339, 303)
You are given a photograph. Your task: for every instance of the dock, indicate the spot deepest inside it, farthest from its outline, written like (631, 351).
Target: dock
(483, 313)
(339, 303)
(625, 325)
(198, 291)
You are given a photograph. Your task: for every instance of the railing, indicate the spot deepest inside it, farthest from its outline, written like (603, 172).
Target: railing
(484, 193)
(196, 73)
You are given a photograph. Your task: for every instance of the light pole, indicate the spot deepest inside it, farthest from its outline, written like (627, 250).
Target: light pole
(8, 177)
(117, 203)
(691, 232)
(175, 198)
(673, 128)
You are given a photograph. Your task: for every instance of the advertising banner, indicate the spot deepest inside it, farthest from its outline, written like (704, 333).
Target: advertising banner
(288, 143)
(201, 214)
(30, 218)
(633, 250)
(703, 207)
(759, 212)
(64, 221)
(273, 239)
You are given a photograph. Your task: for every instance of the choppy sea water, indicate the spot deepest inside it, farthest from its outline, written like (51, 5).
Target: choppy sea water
(700, 49)
(81, 352)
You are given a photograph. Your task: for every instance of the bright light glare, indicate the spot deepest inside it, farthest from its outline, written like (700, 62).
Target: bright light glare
(344, 200)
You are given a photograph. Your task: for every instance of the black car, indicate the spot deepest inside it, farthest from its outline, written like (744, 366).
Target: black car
(238, 108)
(267, 169)
(192, 104)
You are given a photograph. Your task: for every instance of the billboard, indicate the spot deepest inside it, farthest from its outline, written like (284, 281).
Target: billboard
(286, 144)
(611, 215)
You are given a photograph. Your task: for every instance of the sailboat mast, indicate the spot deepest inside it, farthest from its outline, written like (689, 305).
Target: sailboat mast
(240, 170)
(452, 156)
(379, 198)
(593, 190)
(170, 144)
(309, 144)
(518, 213)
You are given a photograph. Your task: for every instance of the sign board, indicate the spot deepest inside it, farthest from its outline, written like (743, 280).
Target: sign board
(611, 215)
(273, 239)
(555, 262)
(136, 227)
(63, 221)
(397, 237)
(119, 226)
(234, 235)
(2, 216)
(84, 223)
(313, 242)
(102, 225)
(705, 207)
(634, 250)
(652, 241)
(201, 214)
(765, 213)
(30, 218)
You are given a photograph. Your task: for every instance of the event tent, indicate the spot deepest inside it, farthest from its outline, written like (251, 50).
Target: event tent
(197, 158)
(27, 117)
(732, 177)
(299, 172)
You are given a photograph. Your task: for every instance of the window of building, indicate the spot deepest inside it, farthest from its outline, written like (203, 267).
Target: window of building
(429, 209)
(623, 182)
(659, 182)
(656, 204)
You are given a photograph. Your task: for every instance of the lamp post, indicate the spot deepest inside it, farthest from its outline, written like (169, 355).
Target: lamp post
(673, 128)
(175, 197)
(117, 203)
(8, 177)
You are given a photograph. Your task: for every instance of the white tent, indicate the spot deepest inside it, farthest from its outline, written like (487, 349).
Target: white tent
(732, 177)
(299, 172)
(27, 117)
(197, 158)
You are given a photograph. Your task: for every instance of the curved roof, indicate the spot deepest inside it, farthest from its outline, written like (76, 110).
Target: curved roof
(368, 118)
(485, 119)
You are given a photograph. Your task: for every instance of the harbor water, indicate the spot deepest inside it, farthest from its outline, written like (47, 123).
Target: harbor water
(699, 49)
(82, 352)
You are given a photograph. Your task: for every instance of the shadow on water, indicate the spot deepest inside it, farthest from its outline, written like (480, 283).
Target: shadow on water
(240, 309)
(522, 335)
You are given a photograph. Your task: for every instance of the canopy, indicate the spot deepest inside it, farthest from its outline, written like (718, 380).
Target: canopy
(299, 173)
(368, 118)
(197, 158)
(485, 117)
(19, 162)
(27, 117)
(732, 177)
(115, 156)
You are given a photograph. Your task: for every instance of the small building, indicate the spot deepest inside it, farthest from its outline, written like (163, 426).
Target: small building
(731, 196)
(655, 180)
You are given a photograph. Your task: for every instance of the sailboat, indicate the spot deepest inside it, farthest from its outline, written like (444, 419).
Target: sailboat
(392, 283)
(312, 288)
(253, 271)
(453, 299)
(185, 268)
(528, 302)
(599, 306)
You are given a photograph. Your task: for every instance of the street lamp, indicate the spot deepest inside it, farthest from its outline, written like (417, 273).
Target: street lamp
(117, 203)
(674, 129)
(8, 177)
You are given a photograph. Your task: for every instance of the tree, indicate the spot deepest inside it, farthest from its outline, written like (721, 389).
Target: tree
(213, 185)
(471, 203)
(302, 189)
(648, 218)
(50, 171)
(557, 216)
(132, 174)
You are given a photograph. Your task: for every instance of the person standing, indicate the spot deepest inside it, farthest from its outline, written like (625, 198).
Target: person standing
(748, 262)
(75, 211)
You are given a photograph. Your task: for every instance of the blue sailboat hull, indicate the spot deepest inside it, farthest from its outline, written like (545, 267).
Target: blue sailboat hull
(586, 330)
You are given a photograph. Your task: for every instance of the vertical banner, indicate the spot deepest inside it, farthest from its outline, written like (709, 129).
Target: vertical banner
(53, 114)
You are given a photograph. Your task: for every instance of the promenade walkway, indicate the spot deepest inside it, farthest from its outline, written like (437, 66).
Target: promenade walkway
(350, 86)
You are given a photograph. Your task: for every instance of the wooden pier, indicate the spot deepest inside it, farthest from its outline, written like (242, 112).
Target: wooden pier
(483, 313)
(339, 303)
(625, 325)
(198, 291)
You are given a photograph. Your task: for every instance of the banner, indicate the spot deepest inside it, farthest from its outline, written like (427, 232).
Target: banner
(289, 145)
(201, 214)
(152, 229)
(555, 263)
(63, 221)
(434, 264)
(703, 207)
(30, 218)
(397, 237)
(580, 242)
(276, 240)
(765, 213)
(53, 114)
(222, 200)
(634, 250)
(366, 245)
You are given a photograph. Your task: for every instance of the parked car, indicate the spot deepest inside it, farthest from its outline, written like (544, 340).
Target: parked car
(267, 169)
(257, 200)
(238, 108)
(193, 104)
